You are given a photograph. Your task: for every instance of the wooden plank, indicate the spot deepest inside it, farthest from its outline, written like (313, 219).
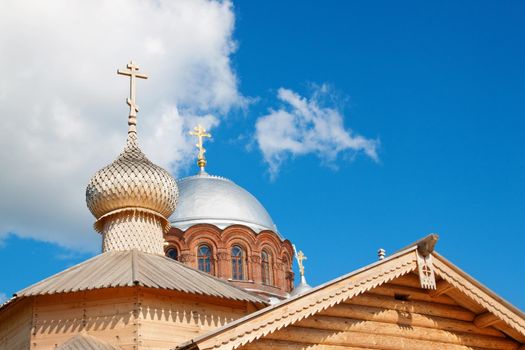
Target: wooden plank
(370, 313)
(420, 307)
(511, 332)
(409, 280)
(412, 293)
(367, 340)
(486, 319)
(269, 344)
(464, 301)
(420, 333)
(442, 287)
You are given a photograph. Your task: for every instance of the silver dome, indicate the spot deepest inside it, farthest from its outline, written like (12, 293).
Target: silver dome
(207, 199)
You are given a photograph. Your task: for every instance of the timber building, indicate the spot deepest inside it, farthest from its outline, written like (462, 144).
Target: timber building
(199, 264)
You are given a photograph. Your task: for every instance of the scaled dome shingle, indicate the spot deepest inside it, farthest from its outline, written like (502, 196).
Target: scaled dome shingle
(131, 181)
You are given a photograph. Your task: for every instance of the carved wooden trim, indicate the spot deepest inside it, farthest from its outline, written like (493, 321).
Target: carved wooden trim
(427, 277)
(269, 320)
(480, 296)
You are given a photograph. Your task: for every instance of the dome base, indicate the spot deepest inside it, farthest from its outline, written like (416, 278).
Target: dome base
(133, 230)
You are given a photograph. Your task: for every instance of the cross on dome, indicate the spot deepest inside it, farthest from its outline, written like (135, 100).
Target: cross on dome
(133, 73)
(300, 259)
(200, 133)
(132, 198)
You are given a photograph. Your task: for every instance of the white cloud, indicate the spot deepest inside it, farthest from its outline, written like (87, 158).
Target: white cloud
(303, 126)
(62, 106)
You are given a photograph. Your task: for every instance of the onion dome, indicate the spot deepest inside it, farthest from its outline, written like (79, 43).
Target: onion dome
(218, 201)
(131, 181)
(208, 199)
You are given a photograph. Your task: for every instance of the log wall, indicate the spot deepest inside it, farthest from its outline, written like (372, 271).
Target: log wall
(395, 316)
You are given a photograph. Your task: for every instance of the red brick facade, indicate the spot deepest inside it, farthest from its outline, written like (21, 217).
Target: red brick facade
(278, 273)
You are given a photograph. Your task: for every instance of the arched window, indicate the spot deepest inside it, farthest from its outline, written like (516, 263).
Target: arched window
(172, 253)
(204, 258)
(265, 268)
(237, 263)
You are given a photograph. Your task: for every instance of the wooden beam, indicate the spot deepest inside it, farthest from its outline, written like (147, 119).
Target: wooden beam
(339, 324)
(425, 245)
(269, 344)
(413, 293)
(511, 332)
(486, 319)
(369, 313)
(420, 307)
(372, 339)
(465, 301)
(441, 288)
(410, 280)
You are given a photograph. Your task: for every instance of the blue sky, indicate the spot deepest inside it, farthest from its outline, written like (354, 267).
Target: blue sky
(439, 87)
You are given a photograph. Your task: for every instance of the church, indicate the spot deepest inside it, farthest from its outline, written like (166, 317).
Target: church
(198, 263)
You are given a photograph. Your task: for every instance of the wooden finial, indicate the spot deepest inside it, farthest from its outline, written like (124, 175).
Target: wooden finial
(200, 133)
(132, 72)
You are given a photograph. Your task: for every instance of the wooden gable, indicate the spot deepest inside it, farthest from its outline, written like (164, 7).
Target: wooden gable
(382, 306)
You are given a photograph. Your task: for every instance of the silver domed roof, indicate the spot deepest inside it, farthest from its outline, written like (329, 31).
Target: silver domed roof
(207, 199)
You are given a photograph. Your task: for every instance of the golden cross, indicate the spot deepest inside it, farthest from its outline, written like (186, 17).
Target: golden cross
(200, 133)
(133, 73)
(300, 258)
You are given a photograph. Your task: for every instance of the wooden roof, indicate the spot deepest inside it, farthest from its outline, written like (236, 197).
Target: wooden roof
(136, 268)
(491, 310)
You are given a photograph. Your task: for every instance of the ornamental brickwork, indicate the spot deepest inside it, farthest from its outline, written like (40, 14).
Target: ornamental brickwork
(221, 243)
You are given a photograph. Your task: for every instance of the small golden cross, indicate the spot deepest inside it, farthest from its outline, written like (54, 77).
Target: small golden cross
(200, 133)
(300, 258)
(133, 73)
